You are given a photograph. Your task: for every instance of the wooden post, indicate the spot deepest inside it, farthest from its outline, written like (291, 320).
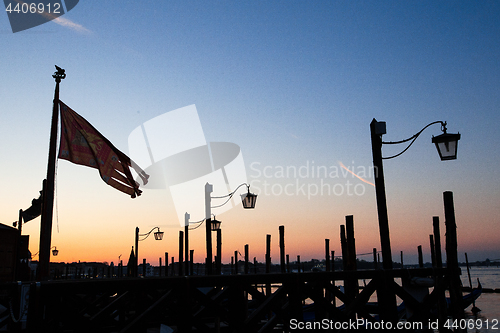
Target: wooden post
(288, 263)
(327, 255)
(232, 264)
(440, 283)
(333, 282)
(333, 261)
(351, 284)
(298, 264)
(343, 245)
(268, 253)
(351, 244)
(219, 252)
(235, 262)
(377, 129)
(16, 268)
(181, 254)
(268, 263)
(136, 261)
(437, 241)
(166, 263)
(282, 248)
(246, 258)
(186, 248)
(433, 250)
(402, 262)
(191, 258)
(420, 257)
(173, 266)
(208, 228)
(255, 265)
(375, 258)
(159, 259)
(457, 310)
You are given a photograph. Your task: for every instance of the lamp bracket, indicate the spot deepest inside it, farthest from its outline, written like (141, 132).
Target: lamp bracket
(146, 235)
(230, 195)
(413, 138)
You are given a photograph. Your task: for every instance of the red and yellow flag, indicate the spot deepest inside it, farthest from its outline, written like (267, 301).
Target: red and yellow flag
(82, 144)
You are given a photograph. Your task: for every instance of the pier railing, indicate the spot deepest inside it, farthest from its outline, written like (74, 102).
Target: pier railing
(233, 303)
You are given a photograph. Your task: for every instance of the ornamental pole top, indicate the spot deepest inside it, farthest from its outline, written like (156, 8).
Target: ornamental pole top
(59, 75)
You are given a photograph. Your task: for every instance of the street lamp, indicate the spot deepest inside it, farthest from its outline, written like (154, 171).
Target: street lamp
(55, 252)
(446, 145)
(158, 236)
(215, 224)
(248, 200)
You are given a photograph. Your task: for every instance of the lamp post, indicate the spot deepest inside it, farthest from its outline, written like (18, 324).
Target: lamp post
(446, 145)
(158, 236)
(248, 200)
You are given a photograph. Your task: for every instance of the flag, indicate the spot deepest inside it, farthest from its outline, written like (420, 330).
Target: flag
(82, 144)
(34, 211)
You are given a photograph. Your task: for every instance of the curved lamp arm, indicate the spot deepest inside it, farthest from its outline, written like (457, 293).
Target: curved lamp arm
(413, 138)
(146, 235)
(230, 195)
(55, 252)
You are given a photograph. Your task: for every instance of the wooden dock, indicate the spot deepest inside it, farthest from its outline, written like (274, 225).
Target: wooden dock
(246, 302)
(233, 303)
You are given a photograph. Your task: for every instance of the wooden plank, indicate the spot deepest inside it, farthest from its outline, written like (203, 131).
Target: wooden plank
(266, 306)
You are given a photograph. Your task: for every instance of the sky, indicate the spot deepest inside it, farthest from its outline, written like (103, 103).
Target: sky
(295, 84)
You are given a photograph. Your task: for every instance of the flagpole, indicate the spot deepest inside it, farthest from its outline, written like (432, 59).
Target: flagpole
(48, 195)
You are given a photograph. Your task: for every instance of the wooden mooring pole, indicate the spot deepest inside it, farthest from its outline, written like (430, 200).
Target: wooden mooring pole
(166, 263)
(186, 247)
(351, 285)
(268, 253)
(219, 252)
(343, 245)
(333, 261)
(440, 292)
(457, 310)
(236, 262)
(181, 250)
(327, 254)
(159, 259)
(191, 261)
(246, 258)
(268, 263)
(282, 248)
(420, 257)
(433, 250)
(437, 241)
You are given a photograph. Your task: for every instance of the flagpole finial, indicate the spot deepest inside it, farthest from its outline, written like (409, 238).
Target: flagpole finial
(59, 75)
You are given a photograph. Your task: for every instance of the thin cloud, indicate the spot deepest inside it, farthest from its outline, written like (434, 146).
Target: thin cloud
(61, 20)
(355, 175)
(70, 24)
